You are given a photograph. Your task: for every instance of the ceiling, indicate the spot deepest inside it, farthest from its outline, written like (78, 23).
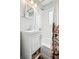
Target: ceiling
(43, 4)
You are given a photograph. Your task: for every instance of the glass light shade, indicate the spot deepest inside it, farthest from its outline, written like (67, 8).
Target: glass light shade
(35, 5)
(32, 2)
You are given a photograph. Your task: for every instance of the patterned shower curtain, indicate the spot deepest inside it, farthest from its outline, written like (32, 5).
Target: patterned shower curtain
(55, 40)
(55, 31)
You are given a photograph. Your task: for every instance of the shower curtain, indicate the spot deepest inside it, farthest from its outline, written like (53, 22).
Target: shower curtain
(55, 30)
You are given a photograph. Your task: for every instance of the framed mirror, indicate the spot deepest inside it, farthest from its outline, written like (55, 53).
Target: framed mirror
(29, 11)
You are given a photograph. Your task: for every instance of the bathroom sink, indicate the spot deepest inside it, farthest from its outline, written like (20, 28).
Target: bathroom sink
(31, 31)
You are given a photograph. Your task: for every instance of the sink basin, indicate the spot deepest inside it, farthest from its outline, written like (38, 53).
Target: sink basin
(31, 31)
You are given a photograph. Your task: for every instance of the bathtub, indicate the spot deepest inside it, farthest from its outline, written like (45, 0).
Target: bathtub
(46, 52)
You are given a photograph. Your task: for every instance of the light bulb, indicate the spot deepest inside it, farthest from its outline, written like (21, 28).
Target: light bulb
(35, 5)
(32, 2)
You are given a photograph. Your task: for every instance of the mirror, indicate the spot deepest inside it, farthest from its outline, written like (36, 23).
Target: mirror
(29, 11)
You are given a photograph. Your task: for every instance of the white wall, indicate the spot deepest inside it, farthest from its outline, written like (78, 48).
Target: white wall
(38, 18)
(26, 24)
(46, 30)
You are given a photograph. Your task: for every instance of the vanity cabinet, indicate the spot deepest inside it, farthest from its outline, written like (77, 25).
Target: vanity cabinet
(31, 44)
